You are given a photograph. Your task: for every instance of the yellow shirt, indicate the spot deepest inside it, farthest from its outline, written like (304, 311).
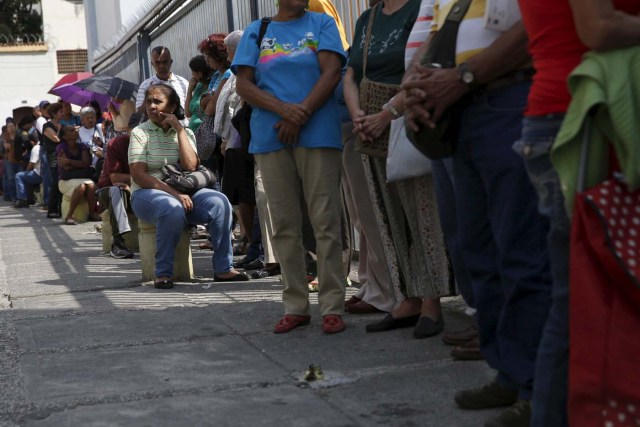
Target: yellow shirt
(473, 37)
(325, 6)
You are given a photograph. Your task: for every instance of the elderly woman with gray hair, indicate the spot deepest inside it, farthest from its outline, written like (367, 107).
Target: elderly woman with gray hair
(238, 176)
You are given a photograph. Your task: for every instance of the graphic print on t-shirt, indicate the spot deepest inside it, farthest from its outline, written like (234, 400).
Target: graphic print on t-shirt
(270, 49)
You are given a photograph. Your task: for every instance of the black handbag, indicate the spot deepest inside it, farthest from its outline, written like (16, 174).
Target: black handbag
(187, 182)
(441, 142)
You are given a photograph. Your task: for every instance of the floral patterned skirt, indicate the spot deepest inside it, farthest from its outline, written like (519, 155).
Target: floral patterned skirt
(407, 214)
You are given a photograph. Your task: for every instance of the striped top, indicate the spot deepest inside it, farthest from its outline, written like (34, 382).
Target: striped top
(180, 84)
(420, 31)
(151, 145)
(473, 37)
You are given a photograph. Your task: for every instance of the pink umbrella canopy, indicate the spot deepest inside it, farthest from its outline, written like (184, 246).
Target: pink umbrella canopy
(70, 78)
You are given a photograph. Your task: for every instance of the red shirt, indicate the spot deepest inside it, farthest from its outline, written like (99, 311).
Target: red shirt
(116, 160)
(556, 51)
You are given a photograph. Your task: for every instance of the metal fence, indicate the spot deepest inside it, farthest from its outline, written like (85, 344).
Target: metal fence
(182, 24)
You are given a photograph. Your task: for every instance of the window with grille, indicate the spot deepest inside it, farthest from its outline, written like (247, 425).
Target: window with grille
(72, 61)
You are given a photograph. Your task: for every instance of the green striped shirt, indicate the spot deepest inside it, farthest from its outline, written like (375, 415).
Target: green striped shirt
(151, 145)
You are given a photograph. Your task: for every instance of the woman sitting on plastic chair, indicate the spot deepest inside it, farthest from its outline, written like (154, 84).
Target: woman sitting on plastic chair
(74, 171)
(159, 141)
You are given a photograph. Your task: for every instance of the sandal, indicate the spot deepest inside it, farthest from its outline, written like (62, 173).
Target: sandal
(70, 221)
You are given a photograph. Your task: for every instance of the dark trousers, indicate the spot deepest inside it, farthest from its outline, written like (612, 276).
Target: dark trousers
(552, 367)
(55, 197)
(503, 237)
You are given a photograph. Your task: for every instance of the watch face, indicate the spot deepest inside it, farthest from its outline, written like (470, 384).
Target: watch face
(467, 77)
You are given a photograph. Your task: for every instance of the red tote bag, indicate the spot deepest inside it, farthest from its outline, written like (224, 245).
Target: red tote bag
(604, 367)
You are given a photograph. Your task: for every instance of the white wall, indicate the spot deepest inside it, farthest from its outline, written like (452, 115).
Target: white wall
(27, 76)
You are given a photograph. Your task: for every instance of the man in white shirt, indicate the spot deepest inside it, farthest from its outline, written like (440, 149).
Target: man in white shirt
(31, 176)
(161, 62)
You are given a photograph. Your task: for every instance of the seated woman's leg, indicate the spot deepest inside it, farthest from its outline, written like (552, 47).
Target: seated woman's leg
(90, 196)
(213, 208)
(76, 197)
(168, 215)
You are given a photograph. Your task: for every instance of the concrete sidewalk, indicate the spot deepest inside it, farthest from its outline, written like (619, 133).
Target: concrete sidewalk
(83, 342)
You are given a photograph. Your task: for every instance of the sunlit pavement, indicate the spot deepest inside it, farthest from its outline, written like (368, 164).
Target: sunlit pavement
(84, 343)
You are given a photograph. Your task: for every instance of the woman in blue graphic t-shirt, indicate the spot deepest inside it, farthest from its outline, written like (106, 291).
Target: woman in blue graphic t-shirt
(289, 77)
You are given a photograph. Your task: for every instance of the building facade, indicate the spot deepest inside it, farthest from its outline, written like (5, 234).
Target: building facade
(30, 67)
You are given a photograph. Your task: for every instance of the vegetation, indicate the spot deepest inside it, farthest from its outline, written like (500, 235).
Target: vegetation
(20, 20)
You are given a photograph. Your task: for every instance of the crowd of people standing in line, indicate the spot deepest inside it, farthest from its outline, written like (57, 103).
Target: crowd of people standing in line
(287, 115)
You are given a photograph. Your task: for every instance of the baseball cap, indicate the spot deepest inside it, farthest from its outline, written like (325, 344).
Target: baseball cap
(43, 104)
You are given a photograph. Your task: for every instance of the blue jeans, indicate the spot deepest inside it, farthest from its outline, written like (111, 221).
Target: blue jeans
(26, 177)
(445, 194)
(550, 386)
(9, 179)
(502, 235)
(167, 213)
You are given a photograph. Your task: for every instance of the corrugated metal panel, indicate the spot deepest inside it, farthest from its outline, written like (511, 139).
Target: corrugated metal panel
(241, 13)
(125, 66)
(267, 8)
(183, 36)
(349, 11)
(200, 18)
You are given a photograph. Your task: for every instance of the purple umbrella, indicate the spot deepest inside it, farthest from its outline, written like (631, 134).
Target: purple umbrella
(76, 95)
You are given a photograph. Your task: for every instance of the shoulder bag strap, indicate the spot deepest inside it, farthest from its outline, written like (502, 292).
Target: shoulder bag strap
(443, 46)
(264, 23)
(367, 40)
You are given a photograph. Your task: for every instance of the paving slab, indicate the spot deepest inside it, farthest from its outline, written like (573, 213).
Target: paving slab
(286, 403)
(121, 327)
(117, 371)
(418, 396)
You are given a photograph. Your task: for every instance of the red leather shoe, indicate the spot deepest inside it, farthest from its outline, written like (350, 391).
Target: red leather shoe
(332, 324)
(289, 322)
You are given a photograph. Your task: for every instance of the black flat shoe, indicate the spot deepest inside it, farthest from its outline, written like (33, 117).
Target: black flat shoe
(389, 323)
(426, 327)
(163, 284)
(240, 277)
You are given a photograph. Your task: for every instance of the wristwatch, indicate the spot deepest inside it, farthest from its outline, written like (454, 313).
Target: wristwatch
(392, 109)
(466, 76)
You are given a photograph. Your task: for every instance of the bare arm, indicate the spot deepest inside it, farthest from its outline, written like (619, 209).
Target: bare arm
(352, 94)
(187, 102)
(212, 101)
(430, 91)
(51, 134)
(330, 75)
(601, 27)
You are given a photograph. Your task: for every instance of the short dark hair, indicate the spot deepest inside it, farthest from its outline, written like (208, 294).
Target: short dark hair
(199, 65)
(26, 120)
(160, 49)
(52, 109)
(4, 128)
(172, 96)
(9, 120)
